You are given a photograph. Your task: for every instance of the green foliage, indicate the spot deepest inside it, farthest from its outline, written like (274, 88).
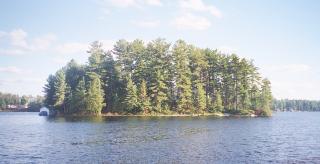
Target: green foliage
(144, 100)
(24, 100)
(23, 103)
(131, 99)
(49, 91)
(266, 98)
(95, 95)
(200, 99)
(78, 98)
(217, 105)
(60, 90)
(158, 91)
(156, 78)
(183, 77)
(296, 105)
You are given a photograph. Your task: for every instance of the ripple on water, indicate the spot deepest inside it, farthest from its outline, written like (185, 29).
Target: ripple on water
(285, 138)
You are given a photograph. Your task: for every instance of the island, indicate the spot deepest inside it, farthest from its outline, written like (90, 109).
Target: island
(158, 78)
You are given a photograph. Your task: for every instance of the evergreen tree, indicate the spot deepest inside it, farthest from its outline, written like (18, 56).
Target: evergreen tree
(60, 90)
(266, 97)
(157, 74)
(177, 78)
(158, 93)
(68, 100)
(183, 77)
(24, 100)
(144, 99)
(74, 72)
(112, 84)
(131, 99)
(95, 94)
(49, 91)
(79, 98)
(217, 105)
(96, 57)
(200, 99)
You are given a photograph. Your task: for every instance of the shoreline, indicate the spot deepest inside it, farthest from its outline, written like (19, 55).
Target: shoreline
(221, 115)
(175, 115)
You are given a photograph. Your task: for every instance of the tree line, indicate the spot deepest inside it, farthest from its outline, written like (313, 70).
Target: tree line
(158, 78)
(296, 105)
(8, 100)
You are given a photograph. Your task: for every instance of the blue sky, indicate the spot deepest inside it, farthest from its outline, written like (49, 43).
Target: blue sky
(39, 37)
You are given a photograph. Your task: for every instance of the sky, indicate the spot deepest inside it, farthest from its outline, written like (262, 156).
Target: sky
(37, 37)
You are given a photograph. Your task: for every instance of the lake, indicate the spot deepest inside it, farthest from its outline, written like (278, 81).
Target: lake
(284, 138)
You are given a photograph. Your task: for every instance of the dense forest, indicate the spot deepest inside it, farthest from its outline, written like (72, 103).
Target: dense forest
(15, 102)
(296, 105)
(158, 78)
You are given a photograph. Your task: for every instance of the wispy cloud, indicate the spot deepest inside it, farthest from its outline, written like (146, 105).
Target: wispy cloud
(199, 5)
(131, 3)
(154, 2)
(191, 22)
(289, 68)
(22, 80)
(147, 23)
(19, 43)
(14, 70)
(71, 48)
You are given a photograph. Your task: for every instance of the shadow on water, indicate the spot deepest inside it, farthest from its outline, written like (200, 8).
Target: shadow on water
(101, 119)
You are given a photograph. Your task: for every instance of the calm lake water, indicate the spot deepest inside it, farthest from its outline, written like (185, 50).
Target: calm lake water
(283, 138)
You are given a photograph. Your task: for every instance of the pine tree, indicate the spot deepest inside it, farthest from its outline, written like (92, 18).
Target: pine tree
(157, 74)
(183, 77)
(96, 58)
(131, 99)
(68, 100)
(200, 99)
(198, 66)
(60, 90)
(144, 99)
(95, 94)
(178, 78)
(158, 93)
(217, 105)
(49, 91)
(266, 98)
(74, 72)
(79, 98)
(112, 84)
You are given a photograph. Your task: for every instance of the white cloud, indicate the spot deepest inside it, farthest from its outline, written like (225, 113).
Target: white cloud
(198, 5)
(11, 69)
(14, 70)
(18, 38)
(21, 80)
(123, 3)
(2, 33)
(107, 44)
(131, 3)
(154, 2)
(147, 23)
(11, 52)
(192, 22)
(292, 80)
(19, 43)
(43, 42)
(289, 68)
(71, 48)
